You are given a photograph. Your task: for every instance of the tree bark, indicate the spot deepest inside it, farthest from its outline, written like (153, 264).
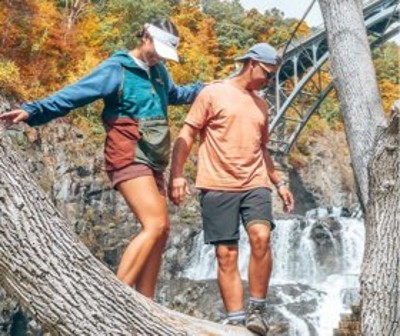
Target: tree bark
(380, 280)
(355, 81)
(54, 276)
(374, 151)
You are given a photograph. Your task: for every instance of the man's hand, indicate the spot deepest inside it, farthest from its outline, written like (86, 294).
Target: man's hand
(287, 198)
(14, 117)
(178, 189)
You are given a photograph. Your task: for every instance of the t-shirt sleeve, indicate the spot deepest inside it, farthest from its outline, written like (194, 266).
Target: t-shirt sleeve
(201, 111)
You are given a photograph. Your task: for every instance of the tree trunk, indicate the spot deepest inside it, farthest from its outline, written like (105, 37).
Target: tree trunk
(355, 81)
(380, 280)
(375, 163)
(74, 8)
(54, 276)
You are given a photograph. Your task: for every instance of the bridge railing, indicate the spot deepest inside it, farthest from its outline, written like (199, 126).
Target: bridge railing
(319, 29)
(292, 107)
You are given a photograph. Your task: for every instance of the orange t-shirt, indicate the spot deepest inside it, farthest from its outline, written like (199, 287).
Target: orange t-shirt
(233, 126)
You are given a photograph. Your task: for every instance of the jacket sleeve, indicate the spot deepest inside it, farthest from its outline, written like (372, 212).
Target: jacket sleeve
(180, 94)
(183, 94)
(100, 83)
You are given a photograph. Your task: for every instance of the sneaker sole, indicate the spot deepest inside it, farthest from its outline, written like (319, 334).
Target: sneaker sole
(258, 330)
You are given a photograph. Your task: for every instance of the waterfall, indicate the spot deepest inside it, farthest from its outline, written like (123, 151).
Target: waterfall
(317, 257)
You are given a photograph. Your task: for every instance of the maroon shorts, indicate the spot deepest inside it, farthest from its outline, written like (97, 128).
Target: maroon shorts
(136, 170)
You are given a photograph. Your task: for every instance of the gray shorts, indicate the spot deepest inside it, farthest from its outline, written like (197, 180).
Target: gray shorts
(223, 210)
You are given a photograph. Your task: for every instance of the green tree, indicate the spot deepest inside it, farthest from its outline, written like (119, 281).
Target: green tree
(131, 15)
(229, 16)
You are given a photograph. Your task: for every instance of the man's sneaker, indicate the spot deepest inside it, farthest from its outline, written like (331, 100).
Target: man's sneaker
(255, 320)
(238, 323)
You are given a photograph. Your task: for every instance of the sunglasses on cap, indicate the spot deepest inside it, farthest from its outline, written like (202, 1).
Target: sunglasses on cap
(267, 73)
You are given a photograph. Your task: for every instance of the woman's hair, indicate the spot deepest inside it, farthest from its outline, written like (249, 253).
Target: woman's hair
(164, 24)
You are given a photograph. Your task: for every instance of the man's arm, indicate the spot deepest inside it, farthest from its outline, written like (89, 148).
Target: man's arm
(272, 172)
(178, 186)
(275, 178)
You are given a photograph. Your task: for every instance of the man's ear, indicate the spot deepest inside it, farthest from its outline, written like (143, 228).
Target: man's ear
(252, 63)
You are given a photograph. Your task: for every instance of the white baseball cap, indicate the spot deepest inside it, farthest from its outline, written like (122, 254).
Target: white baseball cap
(165, 43)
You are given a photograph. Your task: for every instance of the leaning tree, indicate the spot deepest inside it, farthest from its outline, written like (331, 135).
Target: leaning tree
(59, 282)
(374, 150)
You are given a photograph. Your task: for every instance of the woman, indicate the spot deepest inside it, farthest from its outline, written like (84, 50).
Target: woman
(136, 89)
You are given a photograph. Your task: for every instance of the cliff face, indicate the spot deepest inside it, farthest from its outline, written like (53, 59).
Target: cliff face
(328, 176)
(69, 167)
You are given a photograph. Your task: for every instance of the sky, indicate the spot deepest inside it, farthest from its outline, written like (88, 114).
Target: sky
(291, 8)
(294, 9)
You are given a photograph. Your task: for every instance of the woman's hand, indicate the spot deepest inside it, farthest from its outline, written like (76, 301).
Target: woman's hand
(14, 117)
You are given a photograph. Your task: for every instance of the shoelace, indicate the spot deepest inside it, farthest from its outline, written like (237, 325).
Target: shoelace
(257, 309)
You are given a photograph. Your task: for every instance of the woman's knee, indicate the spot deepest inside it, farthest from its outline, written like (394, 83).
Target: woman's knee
(157, 228)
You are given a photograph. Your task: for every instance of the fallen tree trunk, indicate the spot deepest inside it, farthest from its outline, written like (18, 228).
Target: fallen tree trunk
(59, 282)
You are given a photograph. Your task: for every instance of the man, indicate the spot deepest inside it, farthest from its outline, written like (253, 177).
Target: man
(235, 176)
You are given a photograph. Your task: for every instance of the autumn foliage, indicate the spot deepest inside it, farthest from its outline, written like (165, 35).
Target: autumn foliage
(46, 44)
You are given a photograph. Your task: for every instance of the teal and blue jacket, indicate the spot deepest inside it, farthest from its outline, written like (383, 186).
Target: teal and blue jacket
(135, 109)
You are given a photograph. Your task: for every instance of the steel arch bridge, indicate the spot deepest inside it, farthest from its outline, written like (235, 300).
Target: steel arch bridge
(301, 85)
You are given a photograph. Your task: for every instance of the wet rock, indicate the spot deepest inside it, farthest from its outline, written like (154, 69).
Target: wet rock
(197, 298)
(19, 324)
(327, 174)
(82, 172)
(4, 104)
(203, 300)
(326, 235)
(8, 308)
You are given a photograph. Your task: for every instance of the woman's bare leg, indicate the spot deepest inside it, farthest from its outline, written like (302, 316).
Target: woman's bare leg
(147, 279)
(141, 260)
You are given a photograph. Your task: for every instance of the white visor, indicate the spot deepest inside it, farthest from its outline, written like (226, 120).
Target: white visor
(165, 43)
